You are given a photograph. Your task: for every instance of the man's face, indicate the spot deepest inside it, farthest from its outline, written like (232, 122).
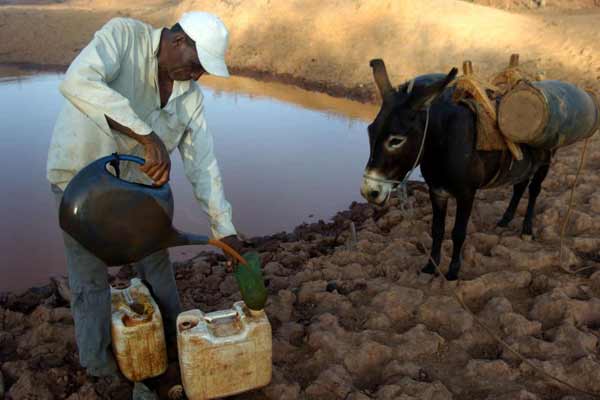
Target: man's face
(186, 65)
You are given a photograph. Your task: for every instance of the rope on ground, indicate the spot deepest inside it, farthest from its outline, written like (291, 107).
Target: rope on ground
(502, 342)
(566, 220)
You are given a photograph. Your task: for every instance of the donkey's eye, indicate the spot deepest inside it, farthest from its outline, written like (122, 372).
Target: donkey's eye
(395, 141)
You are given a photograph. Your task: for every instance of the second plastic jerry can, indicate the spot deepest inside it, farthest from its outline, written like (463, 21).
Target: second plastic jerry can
(224, 352)
(138, 338)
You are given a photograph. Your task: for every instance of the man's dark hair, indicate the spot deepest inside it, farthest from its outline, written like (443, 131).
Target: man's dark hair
(177, 28)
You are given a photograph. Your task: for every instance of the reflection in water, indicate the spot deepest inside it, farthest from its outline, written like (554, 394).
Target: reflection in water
(282, 164)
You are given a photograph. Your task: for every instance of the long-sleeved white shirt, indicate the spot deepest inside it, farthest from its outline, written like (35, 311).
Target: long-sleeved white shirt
(117, 75)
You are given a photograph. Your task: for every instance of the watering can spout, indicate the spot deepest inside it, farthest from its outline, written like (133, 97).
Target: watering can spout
(187, 239)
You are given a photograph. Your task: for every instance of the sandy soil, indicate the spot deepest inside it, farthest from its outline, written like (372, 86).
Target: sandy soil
(354, 321)
(327, 44)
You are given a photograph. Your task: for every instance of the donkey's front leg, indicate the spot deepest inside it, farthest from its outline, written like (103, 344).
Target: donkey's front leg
(464, 205)
(439, 204)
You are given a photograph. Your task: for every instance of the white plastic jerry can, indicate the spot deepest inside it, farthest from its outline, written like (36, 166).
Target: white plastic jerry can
(138, 338)
(224, 352)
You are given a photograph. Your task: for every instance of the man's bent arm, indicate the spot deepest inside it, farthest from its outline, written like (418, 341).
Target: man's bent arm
(85, 84)
(202, 170)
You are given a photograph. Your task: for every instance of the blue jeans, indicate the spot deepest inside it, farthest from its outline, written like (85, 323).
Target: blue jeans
(91, 305)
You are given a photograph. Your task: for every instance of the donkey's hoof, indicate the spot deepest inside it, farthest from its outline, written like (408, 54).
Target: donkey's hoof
(503, 223)
(451, 276)
(429, 269)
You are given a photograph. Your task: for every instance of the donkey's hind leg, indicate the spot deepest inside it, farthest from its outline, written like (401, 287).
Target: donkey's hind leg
(535, 187)
(509, 214)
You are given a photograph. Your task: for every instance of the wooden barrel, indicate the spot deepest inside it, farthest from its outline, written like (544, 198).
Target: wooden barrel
(548, 114)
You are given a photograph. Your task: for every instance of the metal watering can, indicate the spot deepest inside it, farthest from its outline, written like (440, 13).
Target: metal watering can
(122, 222)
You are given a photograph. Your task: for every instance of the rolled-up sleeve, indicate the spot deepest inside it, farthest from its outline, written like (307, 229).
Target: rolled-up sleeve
(202, 170)
(85, 83)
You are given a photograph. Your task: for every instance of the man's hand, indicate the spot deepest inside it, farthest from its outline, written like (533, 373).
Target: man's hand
(237, 245)
(158, 162)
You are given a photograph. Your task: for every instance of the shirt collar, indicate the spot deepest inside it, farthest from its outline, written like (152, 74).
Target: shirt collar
(156, 34)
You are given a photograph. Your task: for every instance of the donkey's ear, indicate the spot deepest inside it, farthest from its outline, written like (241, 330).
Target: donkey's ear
(428, 95)
(381, 77)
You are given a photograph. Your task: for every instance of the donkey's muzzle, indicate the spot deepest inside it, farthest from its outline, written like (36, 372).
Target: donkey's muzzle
(374, 189)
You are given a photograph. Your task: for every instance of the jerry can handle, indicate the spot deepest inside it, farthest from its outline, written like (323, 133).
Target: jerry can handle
(217, 315)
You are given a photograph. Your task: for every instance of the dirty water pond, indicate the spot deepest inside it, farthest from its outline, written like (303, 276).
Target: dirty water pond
(287, 156)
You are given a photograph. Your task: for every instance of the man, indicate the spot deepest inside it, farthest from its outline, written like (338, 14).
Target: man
(133, 90)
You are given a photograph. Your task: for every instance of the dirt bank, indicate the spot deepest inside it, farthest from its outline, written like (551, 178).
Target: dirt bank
(333, 41)
(539, 4)
(327, 45)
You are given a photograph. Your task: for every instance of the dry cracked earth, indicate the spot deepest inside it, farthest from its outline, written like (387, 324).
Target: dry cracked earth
(354, 320)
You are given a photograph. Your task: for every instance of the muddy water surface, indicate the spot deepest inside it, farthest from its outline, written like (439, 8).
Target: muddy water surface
(286, 155)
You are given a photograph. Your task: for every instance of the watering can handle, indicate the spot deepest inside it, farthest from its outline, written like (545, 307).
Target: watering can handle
(115, 158)
(127, 157)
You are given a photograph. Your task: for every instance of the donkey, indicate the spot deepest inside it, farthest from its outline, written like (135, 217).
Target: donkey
(418, 123)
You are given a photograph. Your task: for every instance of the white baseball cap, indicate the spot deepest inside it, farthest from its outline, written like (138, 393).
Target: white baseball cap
(211, 38)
